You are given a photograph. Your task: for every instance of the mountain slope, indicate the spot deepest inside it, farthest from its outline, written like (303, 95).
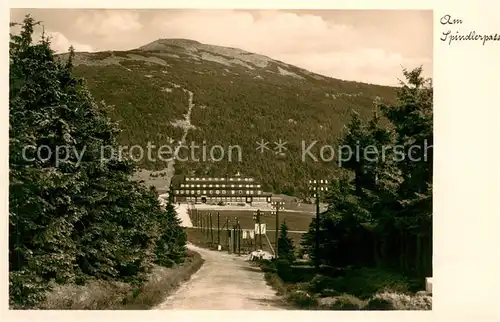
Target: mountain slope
(175, 88)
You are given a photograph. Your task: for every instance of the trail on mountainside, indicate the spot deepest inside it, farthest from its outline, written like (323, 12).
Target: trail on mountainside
(186, 125)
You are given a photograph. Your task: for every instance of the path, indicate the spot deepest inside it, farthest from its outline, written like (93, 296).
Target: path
(183, 215)
(185, 125)
(224, 282)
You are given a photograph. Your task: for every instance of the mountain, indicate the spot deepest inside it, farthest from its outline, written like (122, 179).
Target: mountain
(175, 89)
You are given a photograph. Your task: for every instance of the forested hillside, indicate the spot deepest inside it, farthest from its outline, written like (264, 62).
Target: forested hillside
(239, 99)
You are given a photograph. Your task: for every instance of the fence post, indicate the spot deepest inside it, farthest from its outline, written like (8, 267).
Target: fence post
(239, 237)
(211, 229)
(234, 238)
(228, 241)
(218, 229)
(202, 221)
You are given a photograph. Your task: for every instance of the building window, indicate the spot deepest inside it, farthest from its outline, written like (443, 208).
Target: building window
(202, 179)
(240, 192)
(239, 179)
(192, 192)
(259, 192)
(223, 192)
(217, 186)
(210, 191)
(198, 192)
(232, 192)
(248, 192)
(217, 192)
(204, 192)
(182, 191)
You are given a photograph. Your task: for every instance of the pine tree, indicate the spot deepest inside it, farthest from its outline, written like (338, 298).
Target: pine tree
(286, 249)
(80, 216)
(171, 246)
(384, 203)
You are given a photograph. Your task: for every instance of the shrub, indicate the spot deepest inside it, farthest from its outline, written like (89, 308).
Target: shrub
(319, 283)
(348, 302)
(284, 270)
(302, 299)
(379, 304)
(329, 293)
(267, 266)
(276, 283)
(400, 301)
(365, 282)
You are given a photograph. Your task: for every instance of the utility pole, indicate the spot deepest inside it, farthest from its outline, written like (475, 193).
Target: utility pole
(317, 186)
(278, 205)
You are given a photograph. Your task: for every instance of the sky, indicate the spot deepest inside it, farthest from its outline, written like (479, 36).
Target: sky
(368, 46)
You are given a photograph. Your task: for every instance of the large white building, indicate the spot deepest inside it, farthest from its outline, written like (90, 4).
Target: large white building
(207, 189)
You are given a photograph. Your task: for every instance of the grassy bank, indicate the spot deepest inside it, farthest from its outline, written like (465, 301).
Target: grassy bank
(343, 289)
(103, 295)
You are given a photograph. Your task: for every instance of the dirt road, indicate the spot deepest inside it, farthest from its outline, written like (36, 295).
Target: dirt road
(224, 282)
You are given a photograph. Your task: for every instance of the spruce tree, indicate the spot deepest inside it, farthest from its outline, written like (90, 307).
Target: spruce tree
(171, 246)
(384, 203)
(74, 214)
(286, 249)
